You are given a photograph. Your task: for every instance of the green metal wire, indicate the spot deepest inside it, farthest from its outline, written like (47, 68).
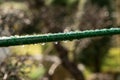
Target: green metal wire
(42, 38)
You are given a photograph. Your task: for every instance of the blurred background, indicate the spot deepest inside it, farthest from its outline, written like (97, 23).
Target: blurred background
(94, 58)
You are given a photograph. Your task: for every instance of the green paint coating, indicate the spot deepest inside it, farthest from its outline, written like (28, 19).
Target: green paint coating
(31, 39)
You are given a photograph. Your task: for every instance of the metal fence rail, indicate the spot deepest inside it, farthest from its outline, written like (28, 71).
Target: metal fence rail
(32, 39)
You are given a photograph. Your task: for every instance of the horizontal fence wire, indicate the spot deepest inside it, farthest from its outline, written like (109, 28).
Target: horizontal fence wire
(42, 38)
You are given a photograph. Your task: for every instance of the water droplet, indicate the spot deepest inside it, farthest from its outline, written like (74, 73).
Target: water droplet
(56, 42)
(27, 35)
(96, 29)
(65, 41)
(77, 31)
(67, 29)
(43, 44)
(35, 44)
(23, 46)
(16, 36)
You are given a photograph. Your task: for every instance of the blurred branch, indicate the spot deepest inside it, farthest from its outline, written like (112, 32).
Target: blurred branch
(70, 66)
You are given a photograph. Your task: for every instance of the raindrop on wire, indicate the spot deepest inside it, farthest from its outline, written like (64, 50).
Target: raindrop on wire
(67, 29)
(17, 36)
(23, 46)
(43, 44)
(65, 41)
(35, 44)
(56, 42)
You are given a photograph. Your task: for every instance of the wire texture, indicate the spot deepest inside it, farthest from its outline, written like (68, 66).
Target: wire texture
(42, 38)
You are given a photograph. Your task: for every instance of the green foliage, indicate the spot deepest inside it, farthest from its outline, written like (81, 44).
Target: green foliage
(93, 55)
(111, 62)
(36, 73)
